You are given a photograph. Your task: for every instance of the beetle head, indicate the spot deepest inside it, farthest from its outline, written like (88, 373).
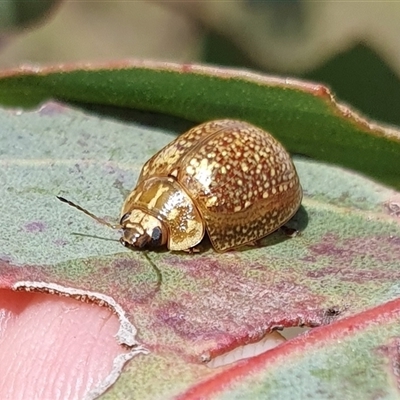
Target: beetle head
(141, 230)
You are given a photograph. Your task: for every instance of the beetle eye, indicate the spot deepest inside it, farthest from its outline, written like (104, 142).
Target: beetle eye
(124, 218)
(156, 236)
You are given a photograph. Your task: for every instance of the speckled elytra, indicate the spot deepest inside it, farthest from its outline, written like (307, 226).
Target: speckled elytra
(225, 177)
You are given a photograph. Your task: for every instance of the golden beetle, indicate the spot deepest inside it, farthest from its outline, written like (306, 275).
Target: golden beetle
(226, 177)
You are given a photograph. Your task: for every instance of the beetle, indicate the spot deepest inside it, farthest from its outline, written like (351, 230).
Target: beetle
(226, 177)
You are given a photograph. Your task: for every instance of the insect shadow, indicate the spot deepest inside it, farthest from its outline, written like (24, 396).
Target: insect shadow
(299, 221)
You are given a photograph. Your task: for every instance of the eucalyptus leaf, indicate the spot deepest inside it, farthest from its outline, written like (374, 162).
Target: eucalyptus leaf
(344, 262)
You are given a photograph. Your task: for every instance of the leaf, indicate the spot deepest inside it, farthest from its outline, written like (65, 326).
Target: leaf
(344, 262)
(303, 116)
(355, 358)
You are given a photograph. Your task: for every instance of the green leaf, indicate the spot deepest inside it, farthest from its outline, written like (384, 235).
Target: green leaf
(344, 262)
(303, 116)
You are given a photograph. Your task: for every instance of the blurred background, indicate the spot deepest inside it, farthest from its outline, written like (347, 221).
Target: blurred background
(352, 46)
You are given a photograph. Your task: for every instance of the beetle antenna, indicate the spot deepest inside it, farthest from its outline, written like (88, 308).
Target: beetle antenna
(94, 236)
(155, 268)
(95, 217)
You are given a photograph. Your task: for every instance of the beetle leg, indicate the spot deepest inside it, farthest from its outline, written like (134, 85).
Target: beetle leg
(289, 232)
(255, 243)
(192, 250)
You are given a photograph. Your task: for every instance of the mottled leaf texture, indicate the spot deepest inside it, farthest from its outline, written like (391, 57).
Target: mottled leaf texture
(345, 262)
